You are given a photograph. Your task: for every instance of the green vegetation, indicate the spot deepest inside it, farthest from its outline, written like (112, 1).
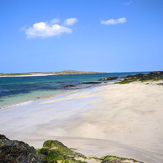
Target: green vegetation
(114, 158)
(56, 152)
(72, 72)
(19, 74)
(150, 80)
(152, 76)
(123, 82)
(127, 81)
(110, 158)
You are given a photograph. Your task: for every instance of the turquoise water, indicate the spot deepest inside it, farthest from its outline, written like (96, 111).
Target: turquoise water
(19, 90)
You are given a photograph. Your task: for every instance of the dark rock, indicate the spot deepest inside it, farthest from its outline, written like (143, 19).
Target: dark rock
(152, 75)
(160, 84)
(116, 161)
(91, 82)
(66, 86)
(63, 82)
(13, 151)
(53, 151)
(108, 78)
(3, 137)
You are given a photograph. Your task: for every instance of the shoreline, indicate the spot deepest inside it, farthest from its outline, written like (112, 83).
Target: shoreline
(65, 92)
(116, 119)
(37, 99)
(34, 75)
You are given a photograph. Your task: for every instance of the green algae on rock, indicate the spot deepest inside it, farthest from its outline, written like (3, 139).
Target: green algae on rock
(53, 151)
(152, 76)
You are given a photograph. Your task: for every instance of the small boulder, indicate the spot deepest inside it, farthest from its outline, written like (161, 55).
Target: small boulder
(67, 86)
(108, 78)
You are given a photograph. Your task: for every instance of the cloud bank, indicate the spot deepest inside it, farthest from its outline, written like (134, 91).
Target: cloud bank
(45, 29)
(114, 21)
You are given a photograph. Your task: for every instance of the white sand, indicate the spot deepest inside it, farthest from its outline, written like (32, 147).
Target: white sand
(122, 120)
(26, 75)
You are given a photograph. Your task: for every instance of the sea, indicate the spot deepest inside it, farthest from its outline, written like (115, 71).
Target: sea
(16, 91)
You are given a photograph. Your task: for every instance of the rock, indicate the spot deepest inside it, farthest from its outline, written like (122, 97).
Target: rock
(3, 137)
(66, 86)
(13, 151)
(53, 151)
(152, 75)
(160, 84)
(108, 78)
(158, 75)
(117, 161)
(63, 82)
(54, 144)
(91, 82)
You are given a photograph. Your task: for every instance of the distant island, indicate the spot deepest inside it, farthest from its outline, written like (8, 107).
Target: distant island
(66, 72)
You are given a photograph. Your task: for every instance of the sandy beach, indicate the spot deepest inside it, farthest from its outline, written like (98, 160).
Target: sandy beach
(114, 119)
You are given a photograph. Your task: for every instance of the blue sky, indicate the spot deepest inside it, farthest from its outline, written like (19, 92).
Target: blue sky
(86, 35)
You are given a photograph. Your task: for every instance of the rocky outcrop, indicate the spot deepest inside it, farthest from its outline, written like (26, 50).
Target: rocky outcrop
(91, 82)
(160, 84)
(53, 151)
(108, 78)
(152, 75)
(115, 159)
(13, 151)
(68, 86)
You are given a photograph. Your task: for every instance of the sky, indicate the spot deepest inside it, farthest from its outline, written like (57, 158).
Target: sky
(83, 35)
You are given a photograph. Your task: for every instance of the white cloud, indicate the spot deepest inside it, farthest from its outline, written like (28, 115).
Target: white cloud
(70, 21)
(114, 21)
(54, 21)
(45, 29)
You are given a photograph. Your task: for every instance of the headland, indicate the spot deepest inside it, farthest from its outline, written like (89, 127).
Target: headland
(66, 72)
